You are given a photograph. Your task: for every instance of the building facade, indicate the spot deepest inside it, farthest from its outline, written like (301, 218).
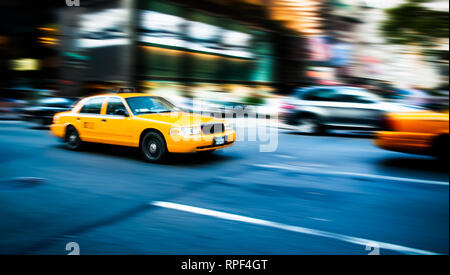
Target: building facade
(189, 48)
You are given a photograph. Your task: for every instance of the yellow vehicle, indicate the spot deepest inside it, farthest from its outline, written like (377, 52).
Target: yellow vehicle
(423, 133)
(148, 122)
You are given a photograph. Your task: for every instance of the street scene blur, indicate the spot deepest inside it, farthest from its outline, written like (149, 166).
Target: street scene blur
(224, 127)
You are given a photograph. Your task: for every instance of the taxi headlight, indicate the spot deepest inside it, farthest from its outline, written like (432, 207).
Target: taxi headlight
(185, 131)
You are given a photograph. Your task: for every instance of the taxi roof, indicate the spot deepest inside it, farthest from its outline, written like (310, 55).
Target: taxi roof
(126, 95)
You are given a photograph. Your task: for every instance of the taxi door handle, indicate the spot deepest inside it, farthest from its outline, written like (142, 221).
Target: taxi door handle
(103, 120)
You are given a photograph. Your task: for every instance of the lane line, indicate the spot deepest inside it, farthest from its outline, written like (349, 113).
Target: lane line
(291, 228)
(350, 174)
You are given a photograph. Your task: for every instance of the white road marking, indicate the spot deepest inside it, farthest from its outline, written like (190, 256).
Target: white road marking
(319, 219)
(291, 228)
(284, 156)
(350, 174)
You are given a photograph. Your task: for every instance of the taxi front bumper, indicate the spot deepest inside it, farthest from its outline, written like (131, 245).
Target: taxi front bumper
(186, 144)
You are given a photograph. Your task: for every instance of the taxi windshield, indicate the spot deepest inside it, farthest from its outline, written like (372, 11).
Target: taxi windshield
(150, 105)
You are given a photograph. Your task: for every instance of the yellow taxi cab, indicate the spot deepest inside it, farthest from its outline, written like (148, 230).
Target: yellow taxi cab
(145, 121)
(423, 133)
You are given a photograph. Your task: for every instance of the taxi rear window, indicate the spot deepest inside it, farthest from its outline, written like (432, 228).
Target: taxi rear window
(93, 106)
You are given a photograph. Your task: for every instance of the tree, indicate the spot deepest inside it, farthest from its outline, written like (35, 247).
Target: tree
(413, 24)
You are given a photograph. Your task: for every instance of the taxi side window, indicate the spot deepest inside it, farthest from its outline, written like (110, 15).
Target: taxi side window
(93, 106)
(114, 104)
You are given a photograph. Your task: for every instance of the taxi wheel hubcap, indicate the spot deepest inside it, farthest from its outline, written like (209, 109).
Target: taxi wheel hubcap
(153, 148)
(72, 138)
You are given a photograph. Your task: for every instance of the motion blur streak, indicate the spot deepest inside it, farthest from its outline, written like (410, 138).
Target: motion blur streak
(322, 117)
(350, 174)
(298, 229)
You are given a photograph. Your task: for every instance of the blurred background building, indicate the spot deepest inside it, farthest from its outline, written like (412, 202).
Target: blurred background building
(235, 50)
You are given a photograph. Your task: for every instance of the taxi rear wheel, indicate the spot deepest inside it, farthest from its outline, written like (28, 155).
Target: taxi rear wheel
(153, 147)
(72, 139)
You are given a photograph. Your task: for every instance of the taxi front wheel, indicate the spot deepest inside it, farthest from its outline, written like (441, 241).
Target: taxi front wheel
(206, 153)
(153, 147)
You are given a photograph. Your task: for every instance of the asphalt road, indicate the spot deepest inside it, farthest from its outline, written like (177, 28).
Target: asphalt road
(335, 194)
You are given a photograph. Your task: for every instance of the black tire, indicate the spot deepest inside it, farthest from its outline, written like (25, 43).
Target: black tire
(440, 148)
(206, 153)
(72, 139)
(309, 125)
(153, 147)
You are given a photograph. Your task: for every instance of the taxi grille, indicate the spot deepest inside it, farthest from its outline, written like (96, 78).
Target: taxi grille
(212, 128)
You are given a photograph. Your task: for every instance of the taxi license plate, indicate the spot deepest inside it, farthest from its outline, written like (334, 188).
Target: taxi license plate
(219, 140)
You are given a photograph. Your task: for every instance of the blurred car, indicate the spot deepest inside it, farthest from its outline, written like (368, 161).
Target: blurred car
(148, 122)
(195, 105)
(43, 110)
(10, 105)
(315, 109)
(224, 109)
(423, 133)
(229, 109)
(412, 97)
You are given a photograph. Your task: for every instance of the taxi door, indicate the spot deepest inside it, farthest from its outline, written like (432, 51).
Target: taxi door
(115, 125)
(88, 121)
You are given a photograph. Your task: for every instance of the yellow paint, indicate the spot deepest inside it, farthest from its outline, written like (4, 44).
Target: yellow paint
(119, 130)
(413, 132)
